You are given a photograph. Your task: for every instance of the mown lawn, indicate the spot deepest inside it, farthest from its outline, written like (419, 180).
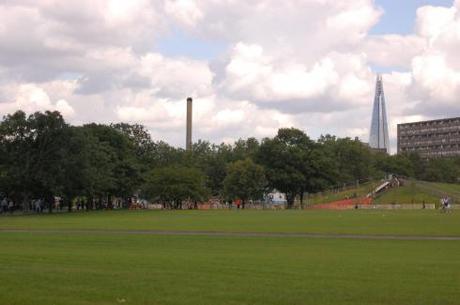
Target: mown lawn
(84, 269)
(428, 222)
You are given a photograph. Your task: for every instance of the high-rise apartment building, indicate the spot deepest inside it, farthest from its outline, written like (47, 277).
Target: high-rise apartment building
(436, 138)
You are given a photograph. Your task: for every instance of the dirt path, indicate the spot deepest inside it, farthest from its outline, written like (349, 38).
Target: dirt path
(236, 234)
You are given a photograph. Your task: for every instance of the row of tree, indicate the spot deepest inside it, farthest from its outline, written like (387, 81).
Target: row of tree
(41, 156)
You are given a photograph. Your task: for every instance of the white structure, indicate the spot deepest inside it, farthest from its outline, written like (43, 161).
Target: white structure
(276, 198)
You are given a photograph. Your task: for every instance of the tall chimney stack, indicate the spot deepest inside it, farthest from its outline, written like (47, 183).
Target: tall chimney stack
(188, 142)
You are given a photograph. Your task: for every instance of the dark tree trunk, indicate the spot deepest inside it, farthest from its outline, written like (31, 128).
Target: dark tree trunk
(69, 204)
(50, 200)
(290, 200)
(301, 200)
(109, 202)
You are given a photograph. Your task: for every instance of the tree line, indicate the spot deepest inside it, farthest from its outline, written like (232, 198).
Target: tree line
(42, 156)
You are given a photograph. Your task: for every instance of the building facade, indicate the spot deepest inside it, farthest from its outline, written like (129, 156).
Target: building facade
(436, 138)
(379, 138)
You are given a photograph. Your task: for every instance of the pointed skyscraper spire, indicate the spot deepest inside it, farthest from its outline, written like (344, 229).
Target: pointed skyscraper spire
(379, 138)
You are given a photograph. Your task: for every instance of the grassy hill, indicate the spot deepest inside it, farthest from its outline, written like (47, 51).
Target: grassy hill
(418, 192)
(333, 195)
(412, 191)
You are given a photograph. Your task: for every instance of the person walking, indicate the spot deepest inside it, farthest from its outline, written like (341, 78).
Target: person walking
(11, 206)
(238, 203)
(4, 205)
(37, 206)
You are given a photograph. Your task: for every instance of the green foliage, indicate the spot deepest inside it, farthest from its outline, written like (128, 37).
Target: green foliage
(351, 159)
(295, 164)
(44, 157)
(116, 155)
(401, 164)
(173, 185)
(245, 180)
(442, 170)
(35, 152)
(41, 156)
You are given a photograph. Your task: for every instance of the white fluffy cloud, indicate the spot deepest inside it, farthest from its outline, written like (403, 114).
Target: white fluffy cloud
(31, 98)
(435, 70)
(303, 63)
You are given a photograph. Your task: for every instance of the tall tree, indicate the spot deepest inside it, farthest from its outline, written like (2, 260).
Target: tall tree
(442, 170)
(287, 163)
(35, 148)
(173, 185)
(123, 170)
(243, 149)
(245, 180)
(76, 165)
(16, 156)
(351, 159)
(144, 147)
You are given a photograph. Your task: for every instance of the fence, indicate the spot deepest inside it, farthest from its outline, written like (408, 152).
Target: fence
(415, 206)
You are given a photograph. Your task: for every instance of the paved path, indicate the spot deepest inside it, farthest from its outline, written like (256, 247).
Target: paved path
(235, 234)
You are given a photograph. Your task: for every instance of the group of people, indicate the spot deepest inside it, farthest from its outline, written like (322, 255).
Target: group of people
(6, 205)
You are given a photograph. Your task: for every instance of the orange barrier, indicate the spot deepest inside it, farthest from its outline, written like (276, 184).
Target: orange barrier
(345, 204)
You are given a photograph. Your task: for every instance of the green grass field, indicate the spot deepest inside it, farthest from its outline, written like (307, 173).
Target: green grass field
(54, 261)
(318, 221)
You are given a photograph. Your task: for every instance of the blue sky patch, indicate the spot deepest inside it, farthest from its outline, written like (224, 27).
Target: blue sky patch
(180, 43)
(399, 15)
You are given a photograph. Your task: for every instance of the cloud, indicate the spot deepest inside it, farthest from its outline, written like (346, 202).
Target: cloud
(381, 50)
(302, 63)
(177, 77)
(31, 98)
(185, 12)
(436, 70)
(335, 81)
(251, 72)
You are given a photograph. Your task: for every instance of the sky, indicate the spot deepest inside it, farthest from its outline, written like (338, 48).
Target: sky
(252, 67)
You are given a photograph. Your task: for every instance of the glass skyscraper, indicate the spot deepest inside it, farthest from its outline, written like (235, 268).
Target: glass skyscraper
(379, 138)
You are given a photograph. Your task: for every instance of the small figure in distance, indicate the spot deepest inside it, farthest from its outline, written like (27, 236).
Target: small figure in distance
(445, 204)
(11, 206)
(4, 205)
(238, 203)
